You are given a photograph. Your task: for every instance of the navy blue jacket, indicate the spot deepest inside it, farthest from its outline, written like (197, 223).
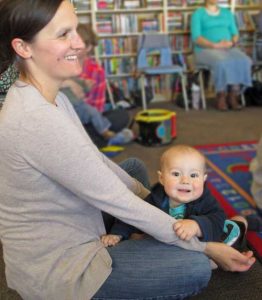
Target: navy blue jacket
(206, 211)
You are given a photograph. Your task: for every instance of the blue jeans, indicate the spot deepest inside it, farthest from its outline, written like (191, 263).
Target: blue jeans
(88, 114)
(149, 269)
(136, 169)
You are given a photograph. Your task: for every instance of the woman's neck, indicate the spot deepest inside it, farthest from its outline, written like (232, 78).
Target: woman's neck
(49, 93)
(212, 7)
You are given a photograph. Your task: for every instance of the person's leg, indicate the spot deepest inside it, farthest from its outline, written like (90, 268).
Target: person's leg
(136, 169)
(119, 119)
(221, 101)
(233, 97)
(97, 138)
(149, 269)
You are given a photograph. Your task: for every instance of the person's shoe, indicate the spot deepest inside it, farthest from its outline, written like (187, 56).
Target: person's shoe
(234, 234)
(233, 101)
(125, 136)
(221, 101)
(231, 232)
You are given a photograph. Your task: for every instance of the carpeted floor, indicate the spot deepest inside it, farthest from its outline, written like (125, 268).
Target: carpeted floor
(195, 128)
(229, 180)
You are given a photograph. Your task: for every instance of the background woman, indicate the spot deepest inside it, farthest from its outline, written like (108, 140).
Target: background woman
(215, 36)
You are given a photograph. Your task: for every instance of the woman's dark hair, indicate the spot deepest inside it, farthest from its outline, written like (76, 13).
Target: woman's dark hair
(22, 19)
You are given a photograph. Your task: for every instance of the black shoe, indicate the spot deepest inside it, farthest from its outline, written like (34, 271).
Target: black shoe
(234, 234)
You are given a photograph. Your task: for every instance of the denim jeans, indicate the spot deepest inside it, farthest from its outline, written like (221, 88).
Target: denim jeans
(136, 169)
(149, 269)
(88, 114)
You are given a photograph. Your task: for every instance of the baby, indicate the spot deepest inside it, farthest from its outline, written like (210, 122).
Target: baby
(182, 193)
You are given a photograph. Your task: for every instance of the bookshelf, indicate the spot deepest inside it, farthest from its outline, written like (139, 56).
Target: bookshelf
(244, 10)
(119, 23)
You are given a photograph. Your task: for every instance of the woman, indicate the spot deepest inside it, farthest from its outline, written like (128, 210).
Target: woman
(215, 36)
(54, 183)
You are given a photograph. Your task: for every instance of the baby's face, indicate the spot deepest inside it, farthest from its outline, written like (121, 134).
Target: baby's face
(183, 176)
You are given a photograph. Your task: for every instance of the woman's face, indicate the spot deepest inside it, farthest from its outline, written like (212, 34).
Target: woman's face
(211, 2)
(55, 49)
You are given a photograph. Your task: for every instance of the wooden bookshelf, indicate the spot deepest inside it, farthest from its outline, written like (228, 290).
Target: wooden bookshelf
(119, 23)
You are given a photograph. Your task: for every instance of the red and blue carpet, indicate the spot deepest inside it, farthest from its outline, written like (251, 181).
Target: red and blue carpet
(229, 180)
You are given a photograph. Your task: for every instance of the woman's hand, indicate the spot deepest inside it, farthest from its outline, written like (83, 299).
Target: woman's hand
(228, 258)
(223, 45)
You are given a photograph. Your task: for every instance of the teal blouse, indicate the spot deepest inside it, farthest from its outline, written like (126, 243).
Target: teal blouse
(213, 28)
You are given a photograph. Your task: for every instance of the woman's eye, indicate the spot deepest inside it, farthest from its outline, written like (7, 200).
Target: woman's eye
(63, 35)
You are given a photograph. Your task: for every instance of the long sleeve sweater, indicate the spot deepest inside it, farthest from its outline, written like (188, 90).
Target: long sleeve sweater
(53, 185)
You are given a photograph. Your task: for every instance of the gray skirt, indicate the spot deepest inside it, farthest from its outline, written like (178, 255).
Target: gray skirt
(227, 67)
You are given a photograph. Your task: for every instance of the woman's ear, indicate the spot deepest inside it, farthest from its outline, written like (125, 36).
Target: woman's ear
(21, 48)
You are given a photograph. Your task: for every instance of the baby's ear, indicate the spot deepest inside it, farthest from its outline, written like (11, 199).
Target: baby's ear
(160, 177)
(205, 177)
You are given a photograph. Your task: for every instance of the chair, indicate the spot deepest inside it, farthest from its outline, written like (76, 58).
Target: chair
(200, 69)
(158, 42)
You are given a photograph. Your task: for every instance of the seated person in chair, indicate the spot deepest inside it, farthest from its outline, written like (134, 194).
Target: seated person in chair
(215, 35)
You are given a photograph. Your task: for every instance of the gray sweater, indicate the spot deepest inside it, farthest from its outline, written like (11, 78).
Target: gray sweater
(53, 185)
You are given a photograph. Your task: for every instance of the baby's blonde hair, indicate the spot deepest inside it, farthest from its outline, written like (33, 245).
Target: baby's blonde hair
(178, 149)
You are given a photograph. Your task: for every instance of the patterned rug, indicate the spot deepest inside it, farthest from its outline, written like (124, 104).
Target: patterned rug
(229, 180)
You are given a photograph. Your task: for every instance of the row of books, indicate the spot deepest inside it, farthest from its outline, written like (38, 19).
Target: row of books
(121, 45)
(248, 2)
(82, 4)
(127, 65)
(181, 42)
(118, 66)
(128, 4)
(245, 21)
(179, 20)
(131, 23)
(128, 45)
(147, 4)
(126, 85)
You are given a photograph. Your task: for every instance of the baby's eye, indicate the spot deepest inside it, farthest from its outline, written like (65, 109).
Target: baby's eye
(194, 175)
(176, 174)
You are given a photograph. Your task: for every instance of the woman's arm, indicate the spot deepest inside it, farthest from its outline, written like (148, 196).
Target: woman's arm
(63, 153)
(204, 43)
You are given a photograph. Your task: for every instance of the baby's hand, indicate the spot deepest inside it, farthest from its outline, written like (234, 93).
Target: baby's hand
(110, 239)
(186, 229)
